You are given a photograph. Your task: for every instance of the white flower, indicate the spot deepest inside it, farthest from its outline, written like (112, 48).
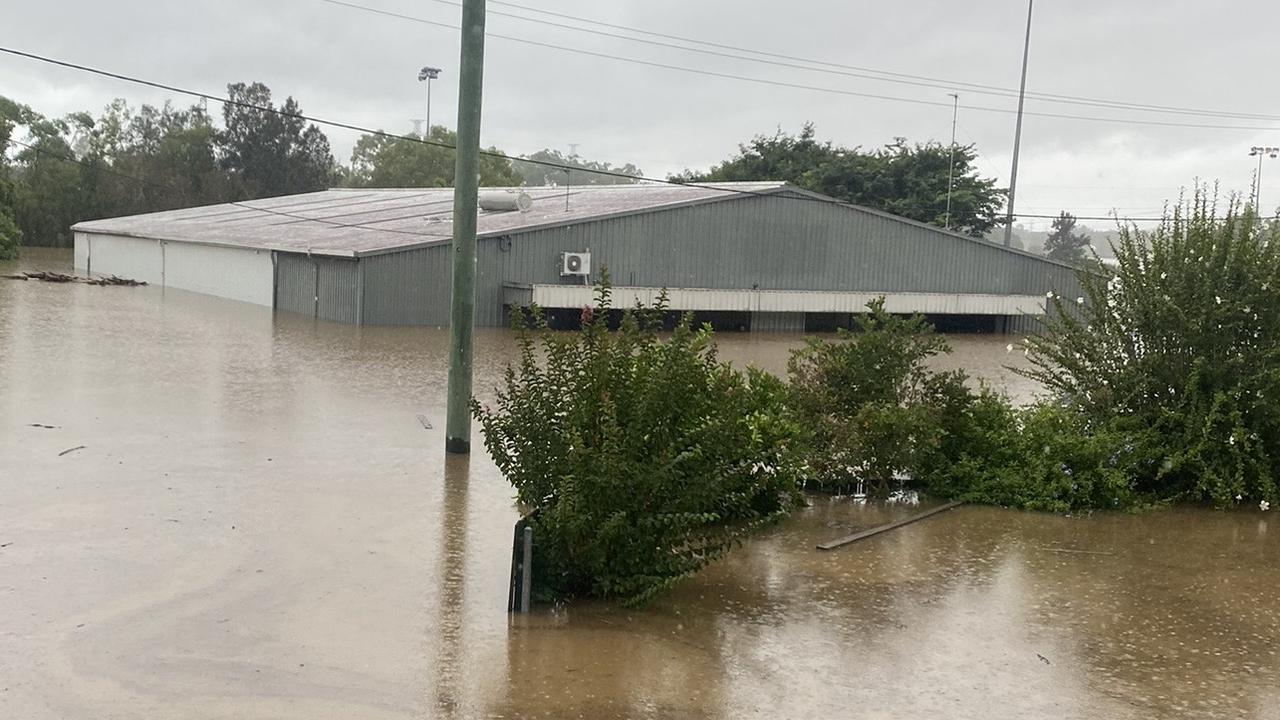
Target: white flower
(1164, 275)
(1231, 440)
(1079, 301)
(1049, 294)
(1218, 298)
(1264, 506)
(1008, 348)
(1239, 498)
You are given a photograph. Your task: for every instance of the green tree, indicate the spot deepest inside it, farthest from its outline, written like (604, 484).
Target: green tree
(154, 159)
(271, 153)
(10, 236)
(907, 180)
(538, 175)
(1064, 243)
(382, 161)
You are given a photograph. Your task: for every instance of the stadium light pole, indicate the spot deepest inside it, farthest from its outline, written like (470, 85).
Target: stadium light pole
(428, 74)
(1260, 151)
(951, 159)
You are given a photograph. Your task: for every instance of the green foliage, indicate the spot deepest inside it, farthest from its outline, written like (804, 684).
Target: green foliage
(535, 175)
(1179, 344)
(10, 237)
(907, 180)
(1064, 243)
(875, 410)
(381, 161)
(1044, 457)
(644, 457)
(269, 153)
(128, 162)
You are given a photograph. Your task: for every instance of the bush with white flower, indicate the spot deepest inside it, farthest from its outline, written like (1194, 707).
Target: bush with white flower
(1176, 350)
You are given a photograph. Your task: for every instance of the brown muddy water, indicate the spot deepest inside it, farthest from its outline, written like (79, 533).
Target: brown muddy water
(257, 526)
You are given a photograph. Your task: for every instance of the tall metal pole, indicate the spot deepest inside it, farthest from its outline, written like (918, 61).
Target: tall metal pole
(951, 159)
(466, 180)
(1017, 133)
(1257, 188)
(428, 73)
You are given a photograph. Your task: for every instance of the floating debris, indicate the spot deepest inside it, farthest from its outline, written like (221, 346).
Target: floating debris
(55, 277)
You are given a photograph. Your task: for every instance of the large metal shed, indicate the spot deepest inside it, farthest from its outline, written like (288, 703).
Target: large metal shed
(778, 257)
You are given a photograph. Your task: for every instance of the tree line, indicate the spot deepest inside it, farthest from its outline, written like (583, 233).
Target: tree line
(55, 172)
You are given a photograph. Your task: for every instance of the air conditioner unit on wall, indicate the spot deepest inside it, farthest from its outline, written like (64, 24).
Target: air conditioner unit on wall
(575, 263)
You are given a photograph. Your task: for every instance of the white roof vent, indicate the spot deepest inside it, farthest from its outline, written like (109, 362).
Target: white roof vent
(505, 201)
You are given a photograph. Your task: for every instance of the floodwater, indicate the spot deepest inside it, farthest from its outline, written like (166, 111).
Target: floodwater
(258, 526)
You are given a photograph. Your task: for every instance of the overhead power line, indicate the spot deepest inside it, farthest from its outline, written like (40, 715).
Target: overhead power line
(435, 143)
(855, 71)
(815, 88)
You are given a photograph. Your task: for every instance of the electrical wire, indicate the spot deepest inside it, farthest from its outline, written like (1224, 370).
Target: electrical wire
(866, 73)
(434, 143)
(800, 86)
(949, 83)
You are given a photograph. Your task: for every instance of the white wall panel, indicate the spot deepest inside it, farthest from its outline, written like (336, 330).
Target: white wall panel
(232, 273)
(127, 257)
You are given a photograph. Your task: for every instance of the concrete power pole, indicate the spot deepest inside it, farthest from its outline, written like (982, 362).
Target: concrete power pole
(466, 181)
(1017, 133)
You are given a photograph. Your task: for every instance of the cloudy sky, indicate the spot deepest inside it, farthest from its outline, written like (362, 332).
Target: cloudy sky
(353, 65)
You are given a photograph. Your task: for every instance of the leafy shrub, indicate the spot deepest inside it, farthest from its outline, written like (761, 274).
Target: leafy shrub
(10, 237)
(874, 410)
(1043, 457)
(1179, 344)
(645, 457)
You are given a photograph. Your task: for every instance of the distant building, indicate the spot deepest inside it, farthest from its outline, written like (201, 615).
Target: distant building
(764, 256)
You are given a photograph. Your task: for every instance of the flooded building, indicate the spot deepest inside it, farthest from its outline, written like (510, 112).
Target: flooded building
(764, 256)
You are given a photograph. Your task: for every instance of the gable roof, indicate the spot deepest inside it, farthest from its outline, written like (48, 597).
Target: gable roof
(371, 221)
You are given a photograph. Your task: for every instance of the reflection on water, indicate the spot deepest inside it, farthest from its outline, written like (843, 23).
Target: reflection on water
(259, 527)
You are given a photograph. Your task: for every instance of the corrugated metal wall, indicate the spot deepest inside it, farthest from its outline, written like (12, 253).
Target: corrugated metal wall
(295, 283)
(410, 287)
(339, 290)
(766, 243)
(322, 287)
(763, 242)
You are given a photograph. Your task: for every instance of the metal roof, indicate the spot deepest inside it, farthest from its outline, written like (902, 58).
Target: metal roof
(356, 222)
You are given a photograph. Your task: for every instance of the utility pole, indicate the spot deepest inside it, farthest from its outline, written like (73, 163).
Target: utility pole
(1017, 133)
(951, 159)
(1261, 151)
(466, 181)
(428, 73)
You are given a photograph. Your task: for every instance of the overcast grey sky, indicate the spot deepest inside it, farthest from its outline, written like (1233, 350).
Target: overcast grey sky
(345, 64)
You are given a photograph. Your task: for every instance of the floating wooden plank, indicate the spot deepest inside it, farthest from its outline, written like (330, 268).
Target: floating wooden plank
(1076, 552)
(839, 542)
